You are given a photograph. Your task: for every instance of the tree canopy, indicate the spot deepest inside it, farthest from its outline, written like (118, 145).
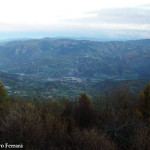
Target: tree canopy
(2, 90)
(144, 102)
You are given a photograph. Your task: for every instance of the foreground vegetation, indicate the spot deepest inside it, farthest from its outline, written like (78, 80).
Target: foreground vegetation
(117, 120)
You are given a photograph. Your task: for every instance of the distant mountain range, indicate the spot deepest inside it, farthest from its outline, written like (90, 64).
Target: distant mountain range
(3, 42)
(57, 58)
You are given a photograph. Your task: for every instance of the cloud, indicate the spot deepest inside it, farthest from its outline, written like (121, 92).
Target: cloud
(86, 18)
(125, 18)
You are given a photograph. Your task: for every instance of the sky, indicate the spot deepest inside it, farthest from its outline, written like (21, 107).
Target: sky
(75, 18)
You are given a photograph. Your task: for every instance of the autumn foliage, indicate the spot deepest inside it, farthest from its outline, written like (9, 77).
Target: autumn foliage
(111, 122)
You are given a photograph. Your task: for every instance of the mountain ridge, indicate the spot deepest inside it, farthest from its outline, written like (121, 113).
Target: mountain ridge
(79, 58)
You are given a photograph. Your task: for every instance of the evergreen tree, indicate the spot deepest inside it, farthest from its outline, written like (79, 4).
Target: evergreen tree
(2, 91)
(144, 102)
(85, 114)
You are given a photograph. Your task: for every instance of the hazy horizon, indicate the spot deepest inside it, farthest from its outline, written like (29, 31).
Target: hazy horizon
(118, 20)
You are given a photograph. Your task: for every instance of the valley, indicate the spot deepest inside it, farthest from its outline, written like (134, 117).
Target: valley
(58, 67)
(75, 94)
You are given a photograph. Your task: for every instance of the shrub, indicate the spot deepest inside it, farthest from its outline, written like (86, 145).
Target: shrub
(141, 139)
(91, 140)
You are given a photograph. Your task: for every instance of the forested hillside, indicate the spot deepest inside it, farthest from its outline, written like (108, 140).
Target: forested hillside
(51, 58)
(118, 120)
(75, 94)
